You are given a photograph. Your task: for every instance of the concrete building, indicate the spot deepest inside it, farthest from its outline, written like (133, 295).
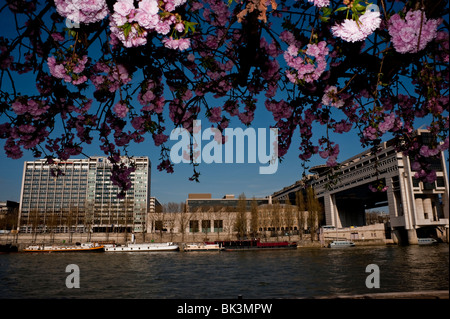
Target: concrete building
(230, 202)
(416, 209)
(206, 218)
(83, 199)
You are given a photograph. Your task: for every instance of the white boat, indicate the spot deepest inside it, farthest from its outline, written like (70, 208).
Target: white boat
(426, 241)
(341, 243)
(202, 247)
(88, 247)
(142, 247)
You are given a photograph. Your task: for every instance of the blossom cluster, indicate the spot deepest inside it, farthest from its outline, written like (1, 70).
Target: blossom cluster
(306, 69)
(331, 153)
(331, 98)
(150, 97)
(328, 82)
(357, 30)
(111, 81)
(413, 33)
(85, 11)
(378, 187)
(131, 25)
(320, 3)
(69, 70)
(22, 106)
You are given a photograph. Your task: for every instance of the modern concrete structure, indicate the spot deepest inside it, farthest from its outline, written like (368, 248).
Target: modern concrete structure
(416, 209)
(83, 199)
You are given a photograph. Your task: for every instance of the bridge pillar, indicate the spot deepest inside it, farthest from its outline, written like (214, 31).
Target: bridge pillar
(419, 207)
(330, 210)
(412, 237)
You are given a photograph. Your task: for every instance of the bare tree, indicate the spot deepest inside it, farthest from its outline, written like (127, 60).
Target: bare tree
(315, 210)
(240, 225)
(276, 217)
(301, 212)
(183, 219)
(288, 218)
(35, 221)
(254, 223)
(52, 223)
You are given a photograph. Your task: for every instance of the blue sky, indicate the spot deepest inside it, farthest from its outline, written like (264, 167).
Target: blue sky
(217, 179)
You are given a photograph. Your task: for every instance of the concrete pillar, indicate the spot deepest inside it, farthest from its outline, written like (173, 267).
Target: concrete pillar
(329, 210)
(419, 207)
(428, 208)
(412, 237)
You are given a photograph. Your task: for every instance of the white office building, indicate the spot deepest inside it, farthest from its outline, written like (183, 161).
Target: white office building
(83, 198)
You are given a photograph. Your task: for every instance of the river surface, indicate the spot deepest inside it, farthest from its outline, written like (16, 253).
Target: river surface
(301, 273)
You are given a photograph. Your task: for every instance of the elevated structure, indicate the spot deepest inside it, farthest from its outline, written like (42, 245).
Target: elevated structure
(416, 209)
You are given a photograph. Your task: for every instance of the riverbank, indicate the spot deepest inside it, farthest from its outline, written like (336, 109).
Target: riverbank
(22, 240)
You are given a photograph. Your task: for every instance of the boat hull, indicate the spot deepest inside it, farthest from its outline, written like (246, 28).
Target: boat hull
(8, 248)
(245, 245)
(142, 247)
(202, 247)
(259, 248)
(426, 241)
(341, 244)
(97, 249)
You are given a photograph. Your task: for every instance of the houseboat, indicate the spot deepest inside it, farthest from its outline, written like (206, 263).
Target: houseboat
(341, 243)
(78, 247)
(142, 247)
(202, 247)
(254, 244)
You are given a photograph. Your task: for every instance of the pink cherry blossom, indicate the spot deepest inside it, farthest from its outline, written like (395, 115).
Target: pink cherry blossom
(413, 33)
(320, 3)
(353, 31)
(121, 109)
(85, 11)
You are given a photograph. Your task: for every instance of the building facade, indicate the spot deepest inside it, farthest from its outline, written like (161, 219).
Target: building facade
(228, 218)
(83, 198)
(416, 209)
(9, 211)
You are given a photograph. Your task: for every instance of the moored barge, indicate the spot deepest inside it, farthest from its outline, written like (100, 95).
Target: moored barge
(145, 247)
(78, 248)
(254, 244)
(202, 247)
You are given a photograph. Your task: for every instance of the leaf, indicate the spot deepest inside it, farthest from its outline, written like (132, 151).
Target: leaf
(327, 11)
(190, 25)
(341, 9)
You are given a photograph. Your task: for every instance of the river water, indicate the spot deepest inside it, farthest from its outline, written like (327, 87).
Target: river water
(300, 273)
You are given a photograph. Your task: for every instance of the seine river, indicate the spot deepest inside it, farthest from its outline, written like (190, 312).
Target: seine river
(285, 274)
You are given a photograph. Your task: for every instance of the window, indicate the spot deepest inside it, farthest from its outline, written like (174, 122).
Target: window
(218, 226)
(159, 225)
(206, 226)
(193, 226)
(440, 182)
